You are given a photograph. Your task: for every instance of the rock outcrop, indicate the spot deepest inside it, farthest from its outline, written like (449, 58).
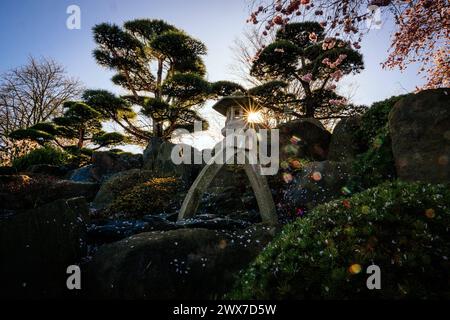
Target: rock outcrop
(344, 144)
(37, 246)
(420, 130)
(177, 264)
(20, 192)
(107, 163)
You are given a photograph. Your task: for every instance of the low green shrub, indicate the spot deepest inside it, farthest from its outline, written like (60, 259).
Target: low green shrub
(403, 228)
(44, 155)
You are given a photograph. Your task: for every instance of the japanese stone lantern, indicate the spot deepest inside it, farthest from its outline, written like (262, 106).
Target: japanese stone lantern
(238, 110)
(235, 108)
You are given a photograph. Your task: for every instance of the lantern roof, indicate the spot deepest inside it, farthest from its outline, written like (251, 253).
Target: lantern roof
(235, 100)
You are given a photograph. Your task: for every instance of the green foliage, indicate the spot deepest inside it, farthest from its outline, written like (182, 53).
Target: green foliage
(374, 166)
(271, 92)
(298, 33)
(80, 122)
(401, 227)
(375, 119)
(118, 48)
(155, 108)
(118, 184)
(48, 127)
(44, 155)
(310, 65)
(184, 50)
(153, 196)
(36, 135)
(109, 139)
(153, 59)
(148, 29)
(277, 61)
(108, 104)
(187, 89)
(226, 88)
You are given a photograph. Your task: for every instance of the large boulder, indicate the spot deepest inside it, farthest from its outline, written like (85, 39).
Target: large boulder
(420, 131)
(344, 144)
(107, 163)
(18, 192)
(83, 174)
(317, 183)
(37, 246)
(158, 158)
(304, 138)
(177, 264)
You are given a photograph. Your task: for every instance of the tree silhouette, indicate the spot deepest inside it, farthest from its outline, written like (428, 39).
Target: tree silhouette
(79, 126)
(303, 57)
(161, 66)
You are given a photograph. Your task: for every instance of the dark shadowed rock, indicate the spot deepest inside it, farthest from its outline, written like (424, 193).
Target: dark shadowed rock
(177, 264)
(420, 130)
(106, 163)
(47, 169)
(304, 138)
(37, 246)
(83, 174)
(114, 230)
(6, 170)
(19, 192)
(318, 182)
(344, 144)
(109, 230)
(213, 224)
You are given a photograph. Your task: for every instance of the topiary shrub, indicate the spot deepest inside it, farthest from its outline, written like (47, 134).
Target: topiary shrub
(403, 228)
(153, 196)
(44, 155)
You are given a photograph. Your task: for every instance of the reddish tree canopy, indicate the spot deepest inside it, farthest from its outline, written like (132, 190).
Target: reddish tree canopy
(422, 34)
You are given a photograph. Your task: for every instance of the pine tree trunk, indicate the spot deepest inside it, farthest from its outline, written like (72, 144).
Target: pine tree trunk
(80, 138)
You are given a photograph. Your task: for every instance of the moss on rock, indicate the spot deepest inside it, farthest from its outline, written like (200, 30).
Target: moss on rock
(153, 196)
(118, 184)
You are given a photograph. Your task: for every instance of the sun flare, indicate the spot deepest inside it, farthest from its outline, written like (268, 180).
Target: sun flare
(254, 117)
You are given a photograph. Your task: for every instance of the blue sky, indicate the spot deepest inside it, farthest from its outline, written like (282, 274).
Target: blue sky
(38, 28)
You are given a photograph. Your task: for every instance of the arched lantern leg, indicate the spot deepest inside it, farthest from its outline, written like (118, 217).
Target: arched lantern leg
(258, 182)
